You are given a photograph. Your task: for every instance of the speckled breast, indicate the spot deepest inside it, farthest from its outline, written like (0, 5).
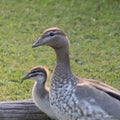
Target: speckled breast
(67, 107)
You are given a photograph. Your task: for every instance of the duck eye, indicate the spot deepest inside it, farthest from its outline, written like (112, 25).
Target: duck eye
(52, 34)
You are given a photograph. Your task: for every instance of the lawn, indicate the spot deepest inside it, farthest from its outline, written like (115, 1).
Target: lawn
(93, 28)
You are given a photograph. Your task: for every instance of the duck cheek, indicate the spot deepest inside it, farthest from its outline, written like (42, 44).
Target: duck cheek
(50, 43)
(54, 44)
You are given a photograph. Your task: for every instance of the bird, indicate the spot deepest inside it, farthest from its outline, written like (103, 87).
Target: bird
(72, 97)
(40, 93)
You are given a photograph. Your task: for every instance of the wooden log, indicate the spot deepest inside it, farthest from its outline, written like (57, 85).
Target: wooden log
(21, 110)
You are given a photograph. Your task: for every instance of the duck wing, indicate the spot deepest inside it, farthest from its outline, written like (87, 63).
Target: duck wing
(105, 88)
(105, 97)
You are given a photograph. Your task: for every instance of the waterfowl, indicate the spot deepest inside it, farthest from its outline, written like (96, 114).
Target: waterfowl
(73, 98)
(40, 92)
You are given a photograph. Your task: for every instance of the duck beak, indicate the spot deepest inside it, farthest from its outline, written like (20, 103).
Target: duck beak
(39, 42)
(26, 77)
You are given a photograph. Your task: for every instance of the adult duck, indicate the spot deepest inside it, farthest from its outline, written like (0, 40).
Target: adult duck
(74, 98)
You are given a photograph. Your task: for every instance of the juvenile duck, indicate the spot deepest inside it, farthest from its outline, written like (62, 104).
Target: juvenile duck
(73, 98)
(39, 92)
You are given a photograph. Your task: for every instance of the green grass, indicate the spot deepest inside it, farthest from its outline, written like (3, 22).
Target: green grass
(93, 28)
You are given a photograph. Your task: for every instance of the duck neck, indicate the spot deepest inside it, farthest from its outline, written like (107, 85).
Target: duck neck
(40, 87)
(63, 62)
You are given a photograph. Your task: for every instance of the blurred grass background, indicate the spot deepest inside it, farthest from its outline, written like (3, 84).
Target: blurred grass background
(93, 28)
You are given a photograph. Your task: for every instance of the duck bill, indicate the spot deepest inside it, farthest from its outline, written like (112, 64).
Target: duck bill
(38, 43)
(26, 77)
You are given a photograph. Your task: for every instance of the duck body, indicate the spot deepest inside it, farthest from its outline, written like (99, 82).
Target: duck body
(73, 98)
(42, 100)
(76, 99)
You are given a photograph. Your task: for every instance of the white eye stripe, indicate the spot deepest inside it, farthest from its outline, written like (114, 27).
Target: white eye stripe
(36, 74)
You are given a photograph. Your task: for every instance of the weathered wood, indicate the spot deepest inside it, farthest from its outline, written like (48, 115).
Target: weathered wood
(21, 110)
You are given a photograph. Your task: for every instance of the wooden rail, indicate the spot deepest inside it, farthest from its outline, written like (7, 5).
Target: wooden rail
(21, 110)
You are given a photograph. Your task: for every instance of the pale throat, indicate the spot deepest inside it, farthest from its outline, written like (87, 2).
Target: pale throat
(41, 89)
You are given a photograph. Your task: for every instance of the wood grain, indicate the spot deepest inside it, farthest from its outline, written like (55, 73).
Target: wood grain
(21, 110)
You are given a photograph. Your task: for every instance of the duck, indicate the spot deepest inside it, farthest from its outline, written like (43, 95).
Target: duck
(72, 97)
(40, 92)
